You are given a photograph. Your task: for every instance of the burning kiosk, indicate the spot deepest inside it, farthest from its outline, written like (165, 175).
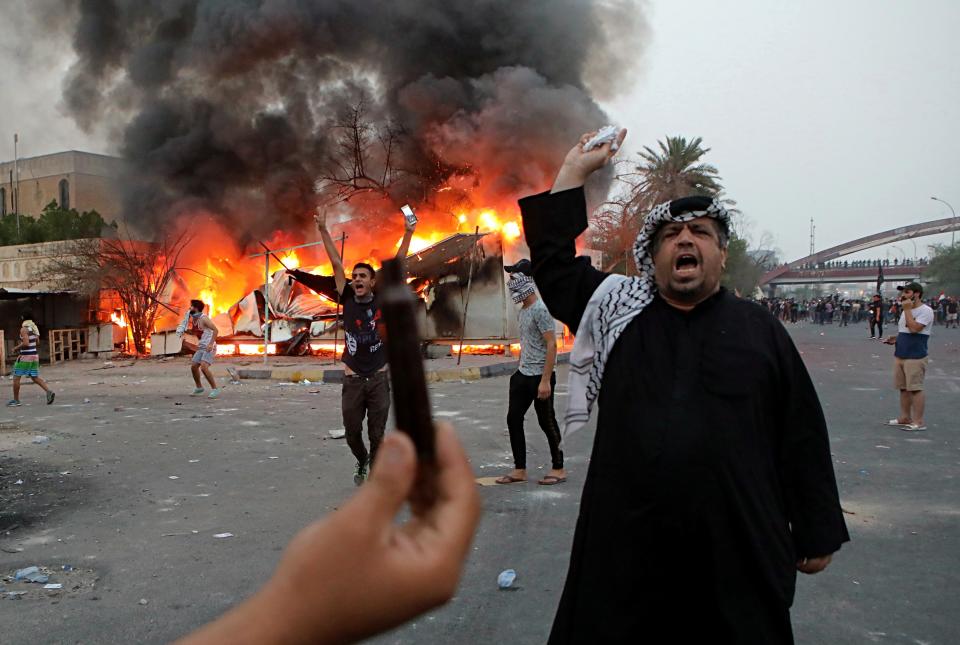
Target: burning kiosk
(463, 300)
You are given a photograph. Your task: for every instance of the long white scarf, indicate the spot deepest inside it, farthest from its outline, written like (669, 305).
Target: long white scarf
(616, 302)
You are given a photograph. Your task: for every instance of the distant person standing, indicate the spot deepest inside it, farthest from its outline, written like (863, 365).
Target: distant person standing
(910, 357)
(28, 363)
(952, 313)
(534, 381)
(845, 313)
(875, 316)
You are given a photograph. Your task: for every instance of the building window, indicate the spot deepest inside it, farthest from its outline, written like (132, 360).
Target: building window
(65, 194)
(3, 201)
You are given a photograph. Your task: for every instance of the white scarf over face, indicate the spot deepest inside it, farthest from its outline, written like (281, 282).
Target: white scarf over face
(616, 302)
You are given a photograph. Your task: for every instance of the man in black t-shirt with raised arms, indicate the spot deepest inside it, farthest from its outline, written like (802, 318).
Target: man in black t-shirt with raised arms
(366, 389)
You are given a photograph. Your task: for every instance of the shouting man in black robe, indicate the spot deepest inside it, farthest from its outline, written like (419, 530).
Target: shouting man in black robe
(711, 482)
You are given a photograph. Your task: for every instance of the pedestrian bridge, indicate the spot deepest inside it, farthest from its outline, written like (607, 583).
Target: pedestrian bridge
(791, 273)
(892, 273)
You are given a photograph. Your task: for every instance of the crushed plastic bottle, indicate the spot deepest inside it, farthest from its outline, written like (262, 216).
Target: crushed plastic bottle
(506, 578)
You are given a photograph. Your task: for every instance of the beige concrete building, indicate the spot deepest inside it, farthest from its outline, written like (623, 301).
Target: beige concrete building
(74, 179)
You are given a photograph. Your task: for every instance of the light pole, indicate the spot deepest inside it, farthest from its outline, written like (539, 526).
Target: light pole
(952, 233)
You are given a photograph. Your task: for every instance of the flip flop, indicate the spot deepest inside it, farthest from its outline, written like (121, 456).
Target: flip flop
(551, 480)
(897, 423)
(507, 479)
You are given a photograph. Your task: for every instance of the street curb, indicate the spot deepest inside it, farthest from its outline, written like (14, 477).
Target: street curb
(449, 375)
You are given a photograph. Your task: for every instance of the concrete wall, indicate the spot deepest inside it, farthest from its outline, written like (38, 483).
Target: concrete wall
(24, 266)
(92, 180)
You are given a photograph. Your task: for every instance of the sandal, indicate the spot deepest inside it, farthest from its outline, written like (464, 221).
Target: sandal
(508, 479)
(897, 423)
(551, 480)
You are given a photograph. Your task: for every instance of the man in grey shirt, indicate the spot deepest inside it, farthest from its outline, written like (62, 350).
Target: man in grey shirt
(534, 380)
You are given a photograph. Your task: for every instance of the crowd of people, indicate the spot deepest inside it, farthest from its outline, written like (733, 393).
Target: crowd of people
(862, 264)
(876, 311)
(710, 482)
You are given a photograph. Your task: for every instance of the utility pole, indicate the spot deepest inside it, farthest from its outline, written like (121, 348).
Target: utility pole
(16, 175)
(812, 229)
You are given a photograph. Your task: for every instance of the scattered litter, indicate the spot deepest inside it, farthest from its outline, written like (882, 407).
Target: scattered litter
(273, 457)
(31, 574)
(18, 482)
(86, 400)
(234, 376)
(506, 578)
(201, 416)
(118, 409)
(53, 585)
(65, 472)
(7, 549)
(221, 536)
(194, 461)
(856, 582)
(15, 594)
(67, 567)
(143, 601)
(41, 439)
(487, 481)
(884, 447)
(339, 433)
(173, 477)
(864, 471)
(846, 511)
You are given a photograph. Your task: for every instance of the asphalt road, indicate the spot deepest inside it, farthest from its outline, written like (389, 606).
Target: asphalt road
(133, 485)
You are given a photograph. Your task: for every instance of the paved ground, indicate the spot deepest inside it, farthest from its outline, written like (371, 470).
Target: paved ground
(133, 486)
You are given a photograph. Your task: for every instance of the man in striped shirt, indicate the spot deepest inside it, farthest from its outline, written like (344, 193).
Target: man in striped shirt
(28, 363)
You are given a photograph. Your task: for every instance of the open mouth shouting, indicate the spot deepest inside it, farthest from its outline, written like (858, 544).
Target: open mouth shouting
(686, 265)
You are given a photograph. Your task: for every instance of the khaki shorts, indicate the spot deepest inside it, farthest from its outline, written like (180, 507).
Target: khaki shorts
(908, 373)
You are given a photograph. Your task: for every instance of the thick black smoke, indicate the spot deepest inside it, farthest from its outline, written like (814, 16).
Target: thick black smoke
(227, 105)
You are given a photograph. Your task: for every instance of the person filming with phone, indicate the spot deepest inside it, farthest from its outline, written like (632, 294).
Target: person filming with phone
(910, 356)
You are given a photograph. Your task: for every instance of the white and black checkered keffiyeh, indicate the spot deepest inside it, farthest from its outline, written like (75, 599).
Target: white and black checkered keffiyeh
(521, 286)
(617, 301)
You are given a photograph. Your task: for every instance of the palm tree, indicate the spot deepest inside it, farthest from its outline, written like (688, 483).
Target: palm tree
(675, 171)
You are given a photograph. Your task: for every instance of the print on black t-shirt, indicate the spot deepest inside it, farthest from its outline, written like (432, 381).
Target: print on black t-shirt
(365, 354)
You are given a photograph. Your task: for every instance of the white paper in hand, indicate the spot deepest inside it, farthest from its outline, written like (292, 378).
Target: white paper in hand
(607, 133)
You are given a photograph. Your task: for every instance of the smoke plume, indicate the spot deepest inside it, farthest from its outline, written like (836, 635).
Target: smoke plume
(229, 107)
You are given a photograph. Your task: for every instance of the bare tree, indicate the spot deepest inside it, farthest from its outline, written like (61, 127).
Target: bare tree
(363, 158)
(137, 272)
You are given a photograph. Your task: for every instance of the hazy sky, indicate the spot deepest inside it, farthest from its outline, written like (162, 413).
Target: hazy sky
(841, 110)
(847, 111)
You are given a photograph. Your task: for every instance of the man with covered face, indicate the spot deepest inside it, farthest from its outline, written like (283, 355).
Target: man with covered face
(710, 482)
